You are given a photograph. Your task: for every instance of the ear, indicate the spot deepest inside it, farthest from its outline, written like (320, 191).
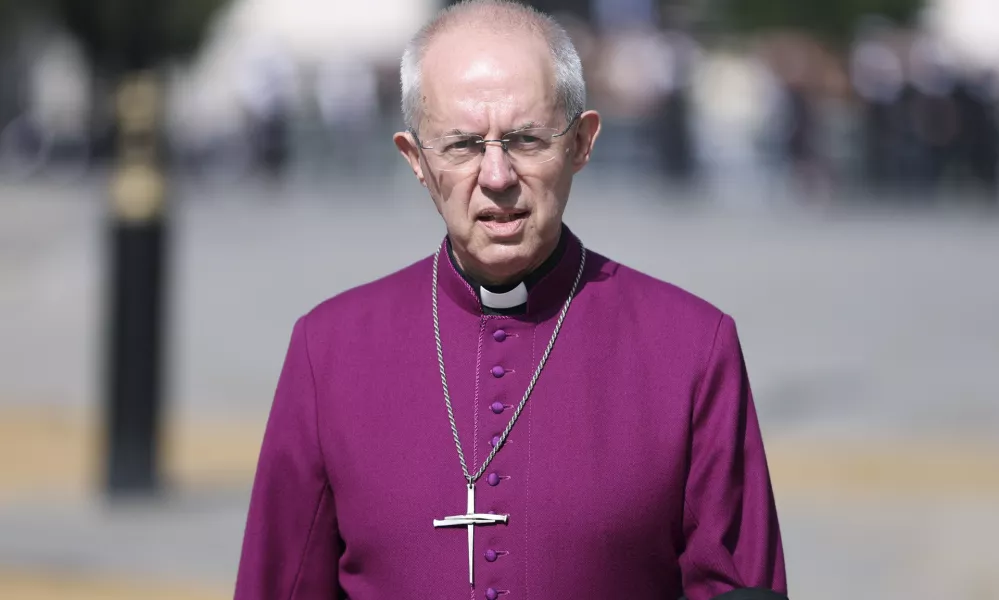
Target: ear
(587, 130)
(410, 151)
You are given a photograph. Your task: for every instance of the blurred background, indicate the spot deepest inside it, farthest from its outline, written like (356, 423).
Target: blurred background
(180, 180)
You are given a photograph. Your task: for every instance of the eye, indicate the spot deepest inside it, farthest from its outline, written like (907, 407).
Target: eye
(530, 141)
(524, 139)
(459, 144)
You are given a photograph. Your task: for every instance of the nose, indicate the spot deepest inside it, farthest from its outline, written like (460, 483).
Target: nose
(496, 172)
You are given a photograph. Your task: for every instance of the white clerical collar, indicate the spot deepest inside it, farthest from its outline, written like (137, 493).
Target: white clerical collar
(502, 301)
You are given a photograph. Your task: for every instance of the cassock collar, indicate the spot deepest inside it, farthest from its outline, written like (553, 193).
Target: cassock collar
(505, 300)
(542, 291)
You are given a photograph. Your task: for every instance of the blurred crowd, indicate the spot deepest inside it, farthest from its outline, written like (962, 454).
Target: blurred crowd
(894, 109)
(904, 112)
(926, 117)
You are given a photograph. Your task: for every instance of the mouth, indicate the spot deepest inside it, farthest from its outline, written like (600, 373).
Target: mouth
(503, 217)
(502, 225)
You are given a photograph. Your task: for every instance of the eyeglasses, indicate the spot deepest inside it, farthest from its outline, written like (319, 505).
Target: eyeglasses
(531, 146)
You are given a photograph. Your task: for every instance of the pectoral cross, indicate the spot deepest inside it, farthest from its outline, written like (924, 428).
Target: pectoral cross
(471, 519)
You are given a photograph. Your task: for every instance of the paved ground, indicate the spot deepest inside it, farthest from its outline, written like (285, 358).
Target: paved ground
(871, 337)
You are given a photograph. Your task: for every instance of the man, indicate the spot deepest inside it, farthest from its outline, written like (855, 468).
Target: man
(515, 416)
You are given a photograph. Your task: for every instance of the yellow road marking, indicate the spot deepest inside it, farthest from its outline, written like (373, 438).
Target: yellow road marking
(915, 468)
(50, 585)
(57, 453)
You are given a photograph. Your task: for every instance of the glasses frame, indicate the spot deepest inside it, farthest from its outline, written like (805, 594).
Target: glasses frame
(504, 143)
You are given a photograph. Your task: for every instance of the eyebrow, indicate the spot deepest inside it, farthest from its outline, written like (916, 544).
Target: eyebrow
(457, 132)
(527, 125)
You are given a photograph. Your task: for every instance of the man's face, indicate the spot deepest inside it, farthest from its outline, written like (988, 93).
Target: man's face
(503, 215)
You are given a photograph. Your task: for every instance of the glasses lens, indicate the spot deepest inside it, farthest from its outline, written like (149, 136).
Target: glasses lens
(532, 146)
(454, 152)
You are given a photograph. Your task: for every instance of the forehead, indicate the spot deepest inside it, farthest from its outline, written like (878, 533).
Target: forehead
(474, 79)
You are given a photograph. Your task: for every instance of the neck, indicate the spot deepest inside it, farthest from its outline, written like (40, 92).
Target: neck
(501, 281)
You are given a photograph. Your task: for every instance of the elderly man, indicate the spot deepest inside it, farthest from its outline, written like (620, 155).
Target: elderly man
(514, 415)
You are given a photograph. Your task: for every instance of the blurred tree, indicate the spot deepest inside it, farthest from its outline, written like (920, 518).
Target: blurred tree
(103, 25)
(10, 13)
(111, 30)
(7, 11)
(834, 19)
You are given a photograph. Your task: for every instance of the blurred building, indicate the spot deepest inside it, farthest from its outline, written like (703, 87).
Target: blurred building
(969, 27)
(269, 64)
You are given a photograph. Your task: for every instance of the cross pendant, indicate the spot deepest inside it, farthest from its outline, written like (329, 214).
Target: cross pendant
(470, 520)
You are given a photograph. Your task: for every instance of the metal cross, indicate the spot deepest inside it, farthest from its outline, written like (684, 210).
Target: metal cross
(470, 520)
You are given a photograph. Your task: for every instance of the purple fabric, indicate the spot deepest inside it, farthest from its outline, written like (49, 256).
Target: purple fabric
(636, 471)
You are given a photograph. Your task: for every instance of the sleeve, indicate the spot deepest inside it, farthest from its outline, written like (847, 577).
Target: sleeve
(290, 546)
(732, 537)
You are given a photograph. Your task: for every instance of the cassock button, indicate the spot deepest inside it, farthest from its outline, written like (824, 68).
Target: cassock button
(497, 407)
(492, 594)
(495, 441)
(498, 371)
(491, 556)
(493, 479)
(499, 335)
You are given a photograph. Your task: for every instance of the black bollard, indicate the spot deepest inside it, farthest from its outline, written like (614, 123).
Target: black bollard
(137, 276)
(127, 43)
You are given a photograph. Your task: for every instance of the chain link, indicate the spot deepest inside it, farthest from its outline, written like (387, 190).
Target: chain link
(530, 386)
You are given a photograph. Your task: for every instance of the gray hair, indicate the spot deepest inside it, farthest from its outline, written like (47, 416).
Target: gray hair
(570, 87)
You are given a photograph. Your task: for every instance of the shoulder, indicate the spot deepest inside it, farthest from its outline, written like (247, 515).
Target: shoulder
(395, 294)
(651, 298)
(670, 323)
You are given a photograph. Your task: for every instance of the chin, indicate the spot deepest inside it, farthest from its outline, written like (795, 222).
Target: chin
(504, 260)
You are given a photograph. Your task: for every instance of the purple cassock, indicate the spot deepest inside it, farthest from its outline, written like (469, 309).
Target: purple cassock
(635, 472)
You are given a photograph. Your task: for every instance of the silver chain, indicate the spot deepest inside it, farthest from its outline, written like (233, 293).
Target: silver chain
(530, 386)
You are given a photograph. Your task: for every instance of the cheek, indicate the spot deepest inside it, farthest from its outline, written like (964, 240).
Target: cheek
(455, 191)
(560, 190)
(549, 193)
